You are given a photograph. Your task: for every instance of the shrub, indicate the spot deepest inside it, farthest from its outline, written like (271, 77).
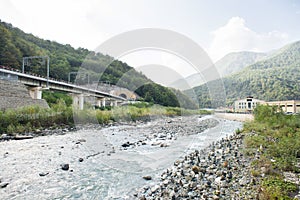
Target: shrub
(275, 188)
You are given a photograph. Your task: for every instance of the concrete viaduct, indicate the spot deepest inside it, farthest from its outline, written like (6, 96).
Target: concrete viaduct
(36, 85)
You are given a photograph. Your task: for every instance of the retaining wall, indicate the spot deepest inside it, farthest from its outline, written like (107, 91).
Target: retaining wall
(14, 95)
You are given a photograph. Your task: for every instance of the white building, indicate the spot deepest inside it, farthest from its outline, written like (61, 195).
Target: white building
(290, 106)
(247, 105)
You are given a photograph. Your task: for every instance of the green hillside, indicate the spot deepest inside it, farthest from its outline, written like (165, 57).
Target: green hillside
(275, 78)
(229, 64)
(15, 44)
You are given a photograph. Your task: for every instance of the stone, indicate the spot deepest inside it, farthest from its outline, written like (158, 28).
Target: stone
(127, 144)
(4, 185)
(80, 159)
(143, 198)
(229, 175)
(43, 173)
(65, 167)
(218, 181)
(172, 195)
(38, 131)
(147, 178)
(165, 182)
(225, 164)
(163, 145)
(154, 188)
(196, 169)
(243, 181)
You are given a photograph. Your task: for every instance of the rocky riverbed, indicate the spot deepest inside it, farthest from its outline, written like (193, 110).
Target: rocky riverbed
(220, 171)
(106, 162)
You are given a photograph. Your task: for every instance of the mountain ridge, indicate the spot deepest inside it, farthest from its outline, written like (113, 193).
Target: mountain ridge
(276, 77)
(230, 63)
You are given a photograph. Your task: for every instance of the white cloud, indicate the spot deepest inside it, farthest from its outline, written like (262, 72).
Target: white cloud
(67, 21)
(236, 36)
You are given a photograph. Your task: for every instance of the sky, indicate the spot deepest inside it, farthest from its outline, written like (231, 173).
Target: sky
(218, 26)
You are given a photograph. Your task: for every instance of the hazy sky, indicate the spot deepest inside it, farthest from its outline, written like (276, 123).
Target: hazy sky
(219, 26)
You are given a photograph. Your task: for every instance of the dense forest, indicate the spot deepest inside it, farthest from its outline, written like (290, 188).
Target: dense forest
(15, 44)
(275, 78)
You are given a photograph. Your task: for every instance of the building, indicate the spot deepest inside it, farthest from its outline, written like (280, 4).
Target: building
(247, 105)
(290, 106)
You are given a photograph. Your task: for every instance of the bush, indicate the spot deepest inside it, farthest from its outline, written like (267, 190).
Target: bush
(275, 188)
(279, 136)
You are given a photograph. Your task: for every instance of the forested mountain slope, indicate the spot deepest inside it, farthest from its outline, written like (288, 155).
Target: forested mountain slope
(15, 44)
(275, 78)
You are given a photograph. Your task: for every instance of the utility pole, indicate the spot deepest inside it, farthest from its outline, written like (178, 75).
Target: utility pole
(26, 62)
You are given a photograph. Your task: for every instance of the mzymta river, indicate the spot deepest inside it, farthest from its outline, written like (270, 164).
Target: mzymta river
(104, 163)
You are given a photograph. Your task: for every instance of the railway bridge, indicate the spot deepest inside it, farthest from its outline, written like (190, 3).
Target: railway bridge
(36, 84)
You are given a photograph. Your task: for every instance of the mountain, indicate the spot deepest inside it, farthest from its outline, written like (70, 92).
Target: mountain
(188, 82)
(234, 62)
(277, 77)
(230, 63)
(15, 44)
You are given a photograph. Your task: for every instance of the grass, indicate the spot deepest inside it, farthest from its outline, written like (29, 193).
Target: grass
(276, 137)
(274, 188)
(28, 119)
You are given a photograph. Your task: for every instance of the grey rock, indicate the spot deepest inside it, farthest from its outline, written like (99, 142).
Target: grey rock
(148, 178)
(43, 173)
(65, 167)
(4, 185)
(243, 181)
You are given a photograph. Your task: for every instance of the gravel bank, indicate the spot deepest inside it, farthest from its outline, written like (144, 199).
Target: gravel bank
(220, 171)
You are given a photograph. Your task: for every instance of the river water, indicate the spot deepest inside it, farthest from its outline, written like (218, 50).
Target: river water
(108, 170)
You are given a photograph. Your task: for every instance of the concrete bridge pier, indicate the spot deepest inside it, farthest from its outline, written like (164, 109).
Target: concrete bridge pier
(78, 101)
(35, 92)
(100, 102)
(103, 102)
(113, 103)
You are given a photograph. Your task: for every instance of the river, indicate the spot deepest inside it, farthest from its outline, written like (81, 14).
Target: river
(110, 169)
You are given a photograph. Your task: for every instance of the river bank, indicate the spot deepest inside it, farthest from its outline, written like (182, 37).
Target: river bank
(104, 163)
(220, 171)
(241, 117)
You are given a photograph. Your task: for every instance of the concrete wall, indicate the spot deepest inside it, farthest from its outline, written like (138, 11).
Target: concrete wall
(15, 95)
